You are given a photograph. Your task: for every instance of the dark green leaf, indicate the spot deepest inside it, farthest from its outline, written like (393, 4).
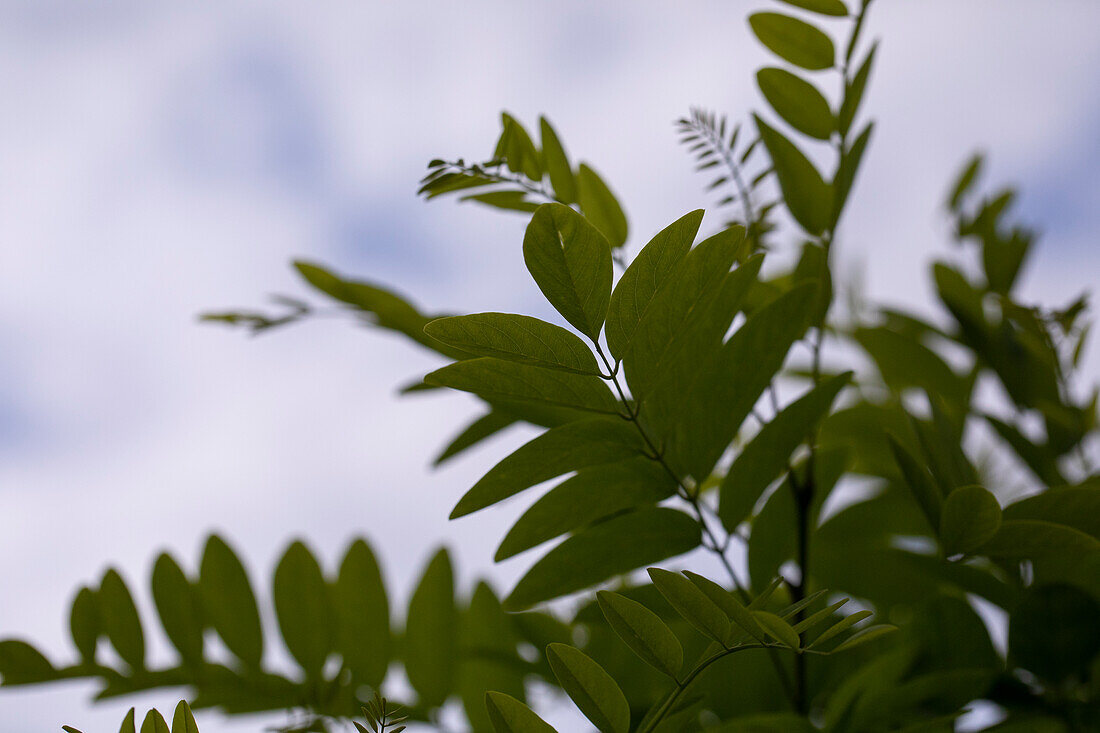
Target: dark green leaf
(793, 40)
(970, 518)
(637, 289)
(129, 723)
(570, 261)
(865, 635)
(906, 362)
(1020, 539)
(566, 448)
(179, 607)
(497, 379)
(557, 163)
(229, 603)
(644, 632)
(605, 550)
(430, 641)
(797, 101)
(1053, 631)
(693, 604)
(808, 197)
(839, 627)
(590, 688)
(509, 715)
(825, 7)
(777, 628)
(515, 338)
(507, 200)
(84, 624)
(363, 614)
(303, 608)
(600, 206)
(920, 483)
(490, 659)
(768, 453)
(733, 608)
(1073, 506)
(480, 429)
(593, 494)
(848, 168)
(853, 93)
(21, 663)
(965, 181)
(120, 620)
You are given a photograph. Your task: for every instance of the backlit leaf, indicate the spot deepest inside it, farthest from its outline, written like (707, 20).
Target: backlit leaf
(592, 690)
(600, 206)
(808, 197)
(777, 628)
(643, 631)
(154, 723)
(691, 603)
(497, 379)
(183, 721)
(179, 607)
(509, 715)
(562, 178)
(515, 338)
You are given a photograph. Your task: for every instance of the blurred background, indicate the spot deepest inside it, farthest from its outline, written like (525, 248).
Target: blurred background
(161, 159)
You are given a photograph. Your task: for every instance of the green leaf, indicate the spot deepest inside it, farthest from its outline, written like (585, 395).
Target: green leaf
(129, 723)
(229, 603)
(154, 723)
(430, 642)
(853, 93)
(507, 200)
(480, 429)
(183, 721)
(602, 551)
(637, 289)
(971, 517)
(1020, 539)
(769, 452)
(848, 168)
(691, 603)
(865, 635)
(1053, 631)
(591, 688)
(727, 385)
(600, 206)
(120, 620)
(516, 338)
(303, 609)
(733, 608)
(794, 40)
(557, 163)
(817, 617)
(509, 715)
(808, 197)
(519, 150)
(798, 102)
(363, 614)
(839, 627)
(593, 494)
(490, 660)
(965, 181)
(777, 628)
(1072, 506)
(566, 448)
(570, 261)
(180, 609)
(920, 483)
(644, 632)
(22, 664)
(497, 379)
(904, 362)
(825, 7)
(84, 624)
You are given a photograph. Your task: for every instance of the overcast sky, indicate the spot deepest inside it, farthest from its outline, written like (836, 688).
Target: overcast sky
(159, 159)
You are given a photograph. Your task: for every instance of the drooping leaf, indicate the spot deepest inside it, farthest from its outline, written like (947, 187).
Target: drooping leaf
(497, 379)
(566, 448)
(637, 289)
(516, 338)
(304, 611)
(768, 453)
(509, 715)
(570, 261)
(794, 40)
(562, 179)
(84, 624)
(600, 206)
(605, 550)
(430, 641)
(691, 603)
(120, 619)
(797, 101)
(592, 690)
(593, 494)
(179, 607)
(644, 632)
(506, 200)
(363, 614)
(229, 603)
(971, 517)
(808, 197)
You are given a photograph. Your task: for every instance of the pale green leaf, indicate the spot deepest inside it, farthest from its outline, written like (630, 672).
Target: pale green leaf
(600, 206)
(725, 600)
(591, 688)
(794, 40)
(516, 338)
(562, 179)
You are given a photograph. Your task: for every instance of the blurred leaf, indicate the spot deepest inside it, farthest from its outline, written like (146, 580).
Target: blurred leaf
(85, 624)
(566, 448)
(808, 197)
(636, 292)
(853, 93)
(518, 149)
(180, 609)
(793, 40)
(516, 338)
(605, 550)
(509, 715)
(848, 168)
(1053, 631)
(644, 632)
(362, 609)
(600, 206)
(905, 362)
(430, 643)
(21, 664)
(480, 429)
(797, 101)
(557, 163)
(303, 608)
(920, 483)
(229, 603)
(490, 660)
(965, 180)
(120, 620)
(971, 517)
(591, 688)
(825, 7)
(865, 635)
(507, 200)
(1029, 538)
(1073, 506)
